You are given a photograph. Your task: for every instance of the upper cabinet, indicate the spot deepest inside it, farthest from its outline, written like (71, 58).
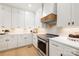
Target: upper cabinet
(75, 14)
(18, 17)
(67, 14)
(15, 17)
(63, 14)
(29, 19)
(5, 16)
(21, 18)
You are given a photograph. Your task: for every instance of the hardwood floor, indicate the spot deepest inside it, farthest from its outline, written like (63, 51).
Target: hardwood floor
(23, 51)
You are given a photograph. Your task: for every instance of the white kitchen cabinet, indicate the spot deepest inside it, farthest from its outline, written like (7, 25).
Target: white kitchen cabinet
(21, 18)
(15, 17)
(64, 14)
(5, 16)
(12, 41)
(29, 38)
(54, 50)
(0, 15)
(67, 53)
(35, 40)
(3, 44)
(67, 14)
(29, 19)
(18, 17)
(24, 39)
(8, 42)
(75, 14)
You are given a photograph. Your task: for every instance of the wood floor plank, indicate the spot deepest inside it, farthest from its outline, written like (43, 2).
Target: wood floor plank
(23, 51)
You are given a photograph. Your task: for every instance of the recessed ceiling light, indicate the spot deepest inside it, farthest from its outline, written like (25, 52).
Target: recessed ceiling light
(29, 5)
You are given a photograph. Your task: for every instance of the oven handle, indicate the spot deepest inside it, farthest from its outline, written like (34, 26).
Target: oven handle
(42, 40)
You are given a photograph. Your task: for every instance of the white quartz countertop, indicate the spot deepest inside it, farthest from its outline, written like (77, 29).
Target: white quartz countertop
(66, 41)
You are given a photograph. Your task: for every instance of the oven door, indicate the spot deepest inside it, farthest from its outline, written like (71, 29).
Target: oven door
(43, 46)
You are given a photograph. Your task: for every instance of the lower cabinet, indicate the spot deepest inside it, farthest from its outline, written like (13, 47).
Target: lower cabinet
(3, 44)
(8, 42)
(66, 53)
(21, 40)
(54, 50)
(24, 39)
(14, 41)
(35, 40)
(29, 39)
(58, 49)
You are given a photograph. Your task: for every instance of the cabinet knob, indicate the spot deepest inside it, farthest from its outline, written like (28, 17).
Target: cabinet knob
(25, 37)
(7, 40)
(68, 23)
(75, 54)
(73, 23)
(61, 54)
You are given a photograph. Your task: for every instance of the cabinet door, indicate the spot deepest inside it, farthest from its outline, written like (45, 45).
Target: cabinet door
(75, 14)
(12, 41)
(21, 15)
(29, 38)
(35, 40)
(1, 23)
(18, 17)
(5, 16)
(63, 14)
(26, 19)
(54, 50)
(22, 40)
(15, 18)
(3, 44)
(29, 20)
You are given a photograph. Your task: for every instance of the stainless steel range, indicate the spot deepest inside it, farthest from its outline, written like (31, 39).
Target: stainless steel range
(43, 43)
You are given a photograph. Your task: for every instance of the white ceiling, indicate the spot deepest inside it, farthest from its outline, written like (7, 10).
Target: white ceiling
(34, 6)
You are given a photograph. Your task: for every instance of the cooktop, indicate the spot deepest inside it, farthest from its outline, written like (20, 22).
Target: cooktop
(46, 36)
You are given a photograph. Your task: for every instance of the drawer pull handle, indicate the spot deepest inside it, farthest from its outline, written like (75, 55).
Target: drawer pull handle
(75, 54)
(7, 40)
(25, 38)
(55, 45)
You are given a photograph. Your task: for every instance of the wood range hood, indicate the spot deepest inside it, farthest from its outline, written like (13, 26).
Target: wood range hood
(50, 19)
